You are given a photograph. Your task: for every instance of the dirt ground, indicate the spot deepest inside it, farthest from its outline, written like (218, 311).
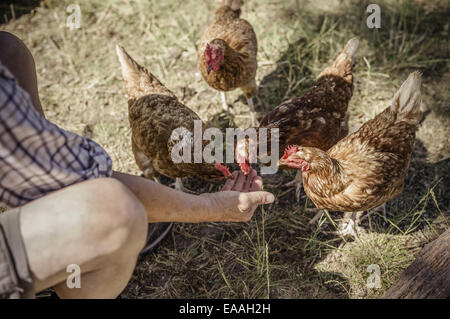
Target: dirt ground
(276, 255)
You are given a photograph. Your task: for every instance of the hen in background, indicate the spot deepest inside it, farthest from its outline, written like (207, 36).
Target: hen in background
(366, 168)
(316, 119)
(227, 54)
(154, 112)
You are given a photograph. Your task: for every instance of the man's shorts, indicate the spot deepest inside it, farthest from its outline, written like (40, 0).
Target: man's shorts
(15, 276)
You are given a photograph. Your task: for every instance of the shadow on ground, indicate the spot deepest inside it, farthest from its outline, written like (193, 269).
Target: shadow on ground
(14, 9)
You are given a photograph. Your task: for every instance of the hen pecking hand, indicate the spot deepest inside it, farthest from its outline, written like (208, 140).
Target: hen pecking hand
(316, 119)
(154, 113)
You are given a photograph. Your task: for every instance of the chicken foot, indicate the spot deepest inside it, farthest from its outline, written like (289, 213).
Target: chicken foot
(317, 216)
(225, 107)
(178, 185)
(351, 221)
(298, 182)
(350, 225)
(381, 209)
(154, 178)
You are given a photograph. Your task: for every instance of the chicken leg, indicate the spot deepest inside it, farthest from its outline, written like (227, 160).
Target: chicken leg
(178, 185)
(351, 221)
(317, 216)
(298, 182)
(350, 225)
(252, 112)
(154, 178)
(224, 102)
(381, 209)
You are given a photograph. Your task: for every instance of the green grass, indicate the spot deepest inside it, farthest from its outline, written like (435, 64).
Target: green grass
(276, 255)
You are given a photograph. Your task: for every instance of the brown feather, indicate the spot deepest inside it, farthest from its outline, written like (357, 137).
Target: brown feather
(154, 112)
(240, 49)
(319, 117)
(367, 168)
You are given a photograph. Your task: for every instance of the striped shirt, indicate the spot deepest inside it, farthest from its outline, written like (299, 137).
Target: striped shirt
(36, 156)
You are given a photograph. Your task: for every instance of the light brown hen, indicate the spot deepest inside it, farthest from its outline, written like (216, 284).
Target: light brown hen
(366, 168)
(154, 113)
(227, 54)
(316, 119)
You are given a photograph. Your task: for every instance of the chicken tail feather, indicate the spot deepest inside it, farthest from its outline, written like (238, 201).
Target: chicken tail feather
(344, 60)
(342, 66)
(131, 71)
(351, 47)
(407, 100)
(138, 80)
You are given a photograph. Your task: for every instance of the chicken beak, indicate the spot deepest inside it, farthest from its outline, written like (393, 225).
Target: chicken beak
(224, 170)
(209, 68)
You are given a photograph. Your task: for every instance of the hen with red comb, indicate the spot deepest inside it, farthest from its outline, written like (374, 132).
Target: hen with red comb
(227, 54)
(154, 113)
(319, 117)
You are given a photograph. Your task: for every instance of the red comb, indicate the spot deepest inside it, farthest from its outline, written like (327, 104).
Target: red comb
(245, 168)
(291, 149)
(208, 55)
(223, 169)
(208, 51)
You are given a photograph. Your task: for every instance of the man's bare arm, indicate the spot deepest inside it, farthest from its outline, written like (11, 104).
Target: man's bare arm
(237, 201)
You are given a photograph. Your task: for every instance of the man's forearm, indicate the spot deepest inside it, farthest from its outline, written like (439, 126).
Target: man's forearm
(164, 204)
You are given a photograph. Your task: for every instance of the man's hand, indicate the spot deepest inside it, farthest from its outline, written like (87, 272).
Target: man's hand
(235, 203)
(240, 197)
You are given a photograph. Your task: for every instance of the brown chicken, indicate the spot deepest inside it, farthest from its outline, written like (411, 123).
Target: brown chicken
(366, 168)
(227, 54)
(154, 113)
(316, 119)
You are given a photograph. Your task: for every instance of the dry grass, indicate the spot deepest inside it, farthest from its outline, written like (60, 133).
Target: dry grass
(275, 255)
